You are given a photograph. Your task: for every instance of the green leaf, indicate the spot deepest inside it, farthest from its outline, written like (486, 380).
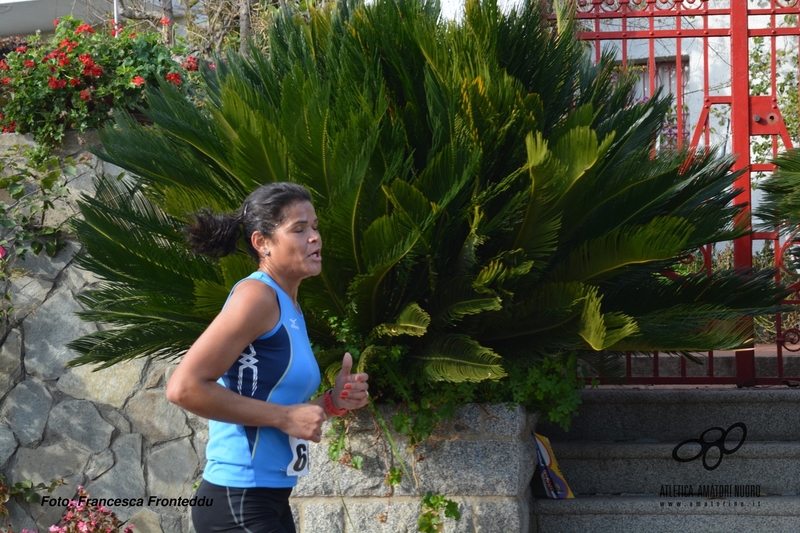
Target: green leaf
(661, 239)
(394, 477)
(16, 190)
(457, 358)
(412, 320)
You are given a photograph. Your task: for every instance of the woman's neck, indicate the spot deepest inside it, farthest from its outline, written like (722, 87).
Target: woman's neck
(290, 287)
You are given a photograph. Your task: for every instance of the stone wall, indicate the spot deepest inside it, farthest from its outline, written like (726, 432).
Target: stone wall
(111, 431)
(114, 432)
(483, 459)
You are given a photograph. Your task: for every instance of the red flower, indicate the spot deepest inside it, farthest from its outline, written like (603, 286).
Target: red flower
(55, 22)
(85, 95)
(3, 64)
(55, 83)
(86, 59)
(165, 21)
(28, 63)
(212, 66)
(132, 35)
(84, 28)
(21, 49)
(63, 61)
(57, 54)
(74, 82)
(93, 70)
(191, 63)
(68, 45)
(138, 80)
(174, 77)
(10, 128)
(5, 80)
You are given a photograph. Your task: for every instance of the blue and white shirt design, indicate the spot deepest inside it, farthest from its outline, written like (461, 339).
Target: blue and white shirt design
(277, 367)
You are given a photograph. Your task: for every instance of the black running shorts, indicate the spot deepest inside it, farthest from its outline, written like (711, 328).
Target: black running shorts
(256, 510)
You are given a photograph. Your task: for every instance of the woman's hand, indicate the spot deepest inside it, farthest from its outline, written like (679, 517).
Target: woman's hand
(351, 390)
(304, 421)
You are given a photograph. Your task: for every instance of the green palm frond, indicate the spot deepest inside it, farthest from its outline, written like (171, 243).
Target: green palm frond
(458, 358)
(160, 338)
(550, 307)
(412, 320)
(458, 299)
(162, 163)
(661, 239)
(130, 241)
(687, 328)
(603, 330)
(502, 272)
(209, 297)
(747, 292)
(781, 204)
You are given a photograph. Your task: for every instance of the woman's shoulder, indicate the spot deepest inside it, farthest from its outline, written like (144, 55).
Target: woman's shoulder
(254, 291)
(253, 305)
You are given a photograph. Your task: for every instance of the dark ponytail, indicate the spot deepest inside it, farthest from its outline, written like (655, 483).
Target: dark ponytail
(262, 211)
(214, 235)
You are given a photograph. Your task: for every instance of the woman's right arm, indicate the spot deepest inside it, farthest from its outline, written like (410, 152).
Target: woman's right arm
(251, 310)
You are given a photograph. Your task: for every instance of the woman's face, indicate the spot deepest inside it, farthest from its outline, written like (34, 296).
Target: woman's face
(295, 247)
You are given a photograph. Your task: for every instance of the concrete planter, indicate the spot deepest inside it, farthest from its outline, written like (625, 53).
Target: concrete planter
(483, 460)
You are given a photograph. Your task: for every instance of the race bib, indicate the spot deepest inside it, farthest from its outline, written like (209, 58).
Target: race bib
(299, 464)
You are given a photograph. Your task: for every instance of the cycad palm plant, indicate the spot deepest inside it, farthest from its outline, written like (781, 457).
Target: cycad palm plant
(488, 200)
(780, 207)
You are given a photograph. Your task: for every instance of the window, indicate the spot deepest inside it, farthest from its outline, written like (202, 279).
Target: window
(666, 79)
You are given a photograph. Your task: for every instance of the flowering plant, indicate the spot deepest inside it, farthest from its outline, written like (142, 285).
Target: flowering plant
(83, 516)
(24, 489)
(74, 79)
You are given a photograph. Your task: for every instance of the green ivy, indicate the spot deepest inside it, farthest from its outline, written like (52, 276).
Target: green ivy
(430, 518)
(33, 188)
(27, 490)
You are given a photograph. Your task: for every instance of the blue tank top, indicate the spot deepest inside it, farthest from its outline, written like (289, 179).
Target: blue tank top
(277, 367)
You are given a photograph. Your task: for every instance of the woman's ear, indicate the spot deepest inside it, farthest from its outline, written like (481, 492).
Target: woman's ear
(260, 242)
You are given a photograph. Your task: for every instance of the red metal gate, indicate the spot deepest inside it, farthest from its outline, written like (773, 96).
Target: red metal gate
(729, 64)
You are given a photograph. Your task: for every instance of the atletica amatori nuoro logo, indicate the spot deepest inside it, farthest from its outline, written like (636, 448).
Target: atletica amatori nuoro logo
(682, 451)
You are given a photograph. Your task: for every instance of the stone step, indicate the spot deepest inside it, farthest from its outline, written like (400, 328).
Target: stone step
(757, 468)
(637, 514)
(619, 414)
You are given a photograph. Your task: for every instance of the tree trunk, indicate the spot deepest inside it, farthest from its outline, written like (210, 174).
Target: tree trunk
(244, 25)
(169, 15)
